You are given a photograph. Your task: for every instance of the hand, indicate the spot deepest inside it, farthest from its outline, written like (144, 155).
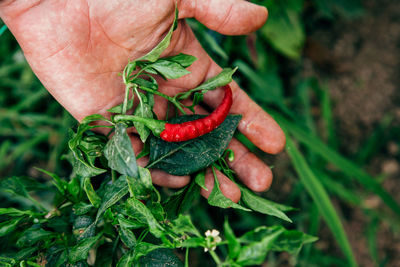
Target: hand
(77, 48)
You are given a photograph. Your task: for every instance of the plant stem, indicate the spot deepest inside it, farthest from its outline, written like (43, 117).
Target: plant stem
(170, 99)
(215, 258)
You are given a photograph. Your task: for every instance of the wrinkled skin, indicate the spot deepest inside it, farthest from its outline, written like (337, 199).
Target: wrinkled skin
(78, 47)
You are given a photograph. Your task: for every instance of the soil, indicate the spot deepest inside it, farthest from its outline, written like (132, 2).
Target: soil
(359, 61)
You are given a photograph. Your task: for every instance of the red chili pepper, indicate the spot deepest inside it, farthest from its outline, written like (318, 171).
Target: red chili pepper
(188, 130)
(193, 129)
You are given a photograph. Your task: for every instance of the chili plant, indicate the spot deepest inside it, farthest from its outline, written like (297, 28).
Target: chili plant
(109, 213)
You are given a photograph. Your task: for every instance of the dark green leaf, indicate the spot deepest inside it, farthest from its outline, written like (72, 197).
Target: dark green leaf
(9, 226)
(262, 241)
(160, 258)
(183, 225)
(193, 242)
(155, 53)
(152, 84)
(91, 194)
(73, 187)
(262, 205)
(81, 208)
(187, 157)
(127, 260)
(137, 210)
(181, 201)
(113, 194)
(127, 237)
(130, 224)
(82, 227)
(81, 250)
(25, 253)
(292, 241)
(60, 184)
(33, 235)
(119, 152)
(233, 243)
(144, 248)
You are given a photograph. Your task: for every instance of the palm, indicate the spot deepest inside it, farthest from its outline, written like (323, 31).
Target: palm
(77, 48)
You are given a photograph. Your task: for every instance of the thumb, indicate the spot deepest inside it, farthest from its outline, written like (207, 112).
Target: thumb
(230, 17)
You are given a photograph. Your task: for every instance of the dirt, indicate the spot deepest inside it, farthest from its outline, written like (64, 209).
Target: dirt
(359, 61)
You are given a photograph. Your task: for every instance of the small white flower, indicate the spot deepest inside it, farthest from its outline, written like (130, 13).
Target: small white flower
(212, 239)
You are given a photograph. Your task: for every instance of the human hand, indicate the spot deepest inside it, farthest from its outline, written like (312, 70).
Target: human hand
(77, 48)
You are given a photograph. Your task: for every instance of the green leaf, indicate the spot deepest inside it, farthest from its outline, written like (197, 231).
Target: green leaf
(144, 248)
(143, 110)
(260, 242)
(183, 225)
(169, 69)
(160, 258)
(221, 79)
(91, 194)
(137, 210)
(81, 250)
(262, 205)
(233, 243)
(155, 53)
(182, 59)
(14, 212)
(74, 188)
(292, 241)
(127, 260)
(141, 187)
(127, 237)
(193, 242)
(321, 199)
(82, 208)
(112, 195)
(60, 184)
(9, 226)
(82, 227)
(181, 200)
(93, 118)
(200, 179)
(217, 199)
(187, 157)
(129, 224)
(119, 152)
(118, 108)
(33, 235)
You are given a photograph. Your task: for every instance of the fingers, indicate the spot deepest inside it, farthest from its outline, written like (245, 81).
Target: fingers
(231, 17)
(159, 177)
(227, 187)
(251, 170)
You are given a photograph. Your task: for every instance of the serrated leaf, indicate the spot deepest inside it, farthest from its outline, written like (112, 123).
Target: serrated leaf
(183, 158)
(155, 53)
(262, 205)
(119, 152)
(81, 250)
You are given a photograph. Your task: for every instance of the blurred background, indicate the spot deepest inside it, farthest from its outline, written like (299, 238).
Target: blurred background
(328, 71)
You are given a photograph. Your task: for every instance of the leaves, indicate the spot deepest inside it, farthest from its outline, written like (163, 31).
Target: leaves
(263, 205)
(9, 226)
(119, 152)
(187, 157)
(143, 110)
(160, 258)
(155, 53)
(81, 250)
(33, 235)
(91, 194)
